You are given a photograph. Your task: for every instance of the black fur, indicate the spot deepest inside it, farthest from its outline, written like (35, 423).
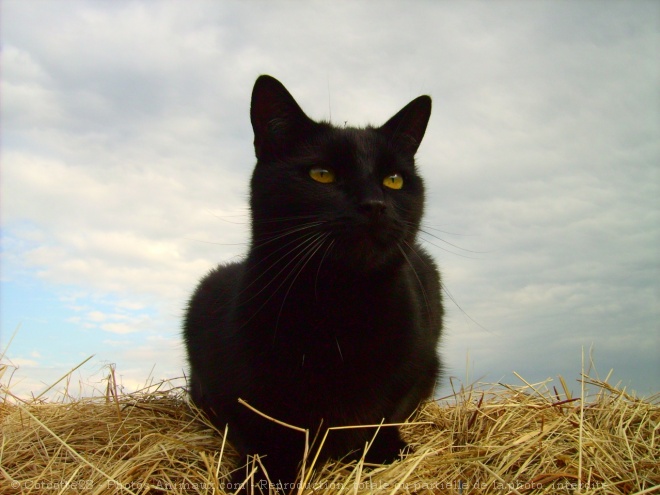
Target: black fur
(335, 315)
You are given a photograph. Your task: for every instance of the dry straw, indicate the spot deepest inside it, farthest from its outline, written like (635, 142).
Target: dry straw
(500, 439)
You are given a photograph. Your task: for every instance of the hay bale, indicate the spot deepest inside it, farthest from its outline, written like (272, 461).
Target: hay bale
(482, 439)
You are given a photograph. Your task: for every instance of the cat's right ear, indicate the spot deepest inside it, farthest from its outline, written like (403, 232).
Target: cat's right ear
(277, 120)
(408, 126)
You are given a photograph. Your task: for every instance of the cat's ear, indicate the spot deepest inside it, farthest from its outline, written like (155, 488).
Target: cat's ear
(277, 120)
(408, 126)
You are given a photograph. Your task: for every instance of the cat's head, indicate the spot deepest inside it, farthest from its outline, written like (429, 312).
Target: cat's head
(342, 192)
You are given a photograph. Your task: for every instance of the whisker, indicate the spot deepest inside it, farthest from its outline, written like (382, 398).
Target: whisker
(318, 270)
(216, 243)
(303, 249)
(284, 246)
(450, 243)
(285, 219)
(444, 289)
(419, 281)
(300, 266)
(300, 243)
(425, 230)
(448, 250)
(450, 296)
(287, 232)
(341, 355)
(280, 235)
(224, 217)
(445, 231)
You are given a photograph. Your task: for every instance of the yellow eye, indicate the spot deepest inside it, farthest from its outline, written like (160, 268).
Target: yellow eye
(322, 175)
(394, 181)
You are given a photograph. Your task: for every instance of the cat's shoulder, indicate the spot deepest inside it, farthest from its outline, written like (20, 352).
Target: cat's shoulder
(422, 261)
(221, 279)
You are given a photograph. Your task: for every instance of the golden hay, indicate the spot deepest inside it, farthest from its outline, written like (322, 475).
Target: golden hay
(499, 439)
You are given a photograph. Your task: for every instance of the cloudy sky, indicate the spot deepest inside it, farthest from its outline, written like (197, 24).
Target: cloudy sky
(127, 147)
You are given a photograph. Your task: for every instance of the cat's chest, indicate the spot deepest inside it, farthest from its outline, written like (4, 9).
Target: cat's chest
(349, 314)
(333, 345)
(327, 324)
(331, 337)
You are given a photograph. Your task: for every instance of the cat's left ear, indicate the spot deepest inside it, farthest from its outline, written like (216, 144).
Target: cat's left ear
(277, 120)
(408, 126)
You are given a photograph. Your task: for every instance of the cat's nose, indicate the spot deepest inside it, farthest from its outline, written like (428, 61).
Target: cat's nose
(373, 207)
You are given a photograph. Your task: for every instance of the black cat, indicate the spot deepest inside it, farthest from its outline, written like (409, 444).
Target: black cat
(334, 317)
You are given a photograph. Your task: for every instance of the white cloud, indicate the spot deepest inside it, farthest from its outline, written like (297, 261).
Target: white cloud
(119, 328)
(96, 316)
(21, 362)
(114, 233)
